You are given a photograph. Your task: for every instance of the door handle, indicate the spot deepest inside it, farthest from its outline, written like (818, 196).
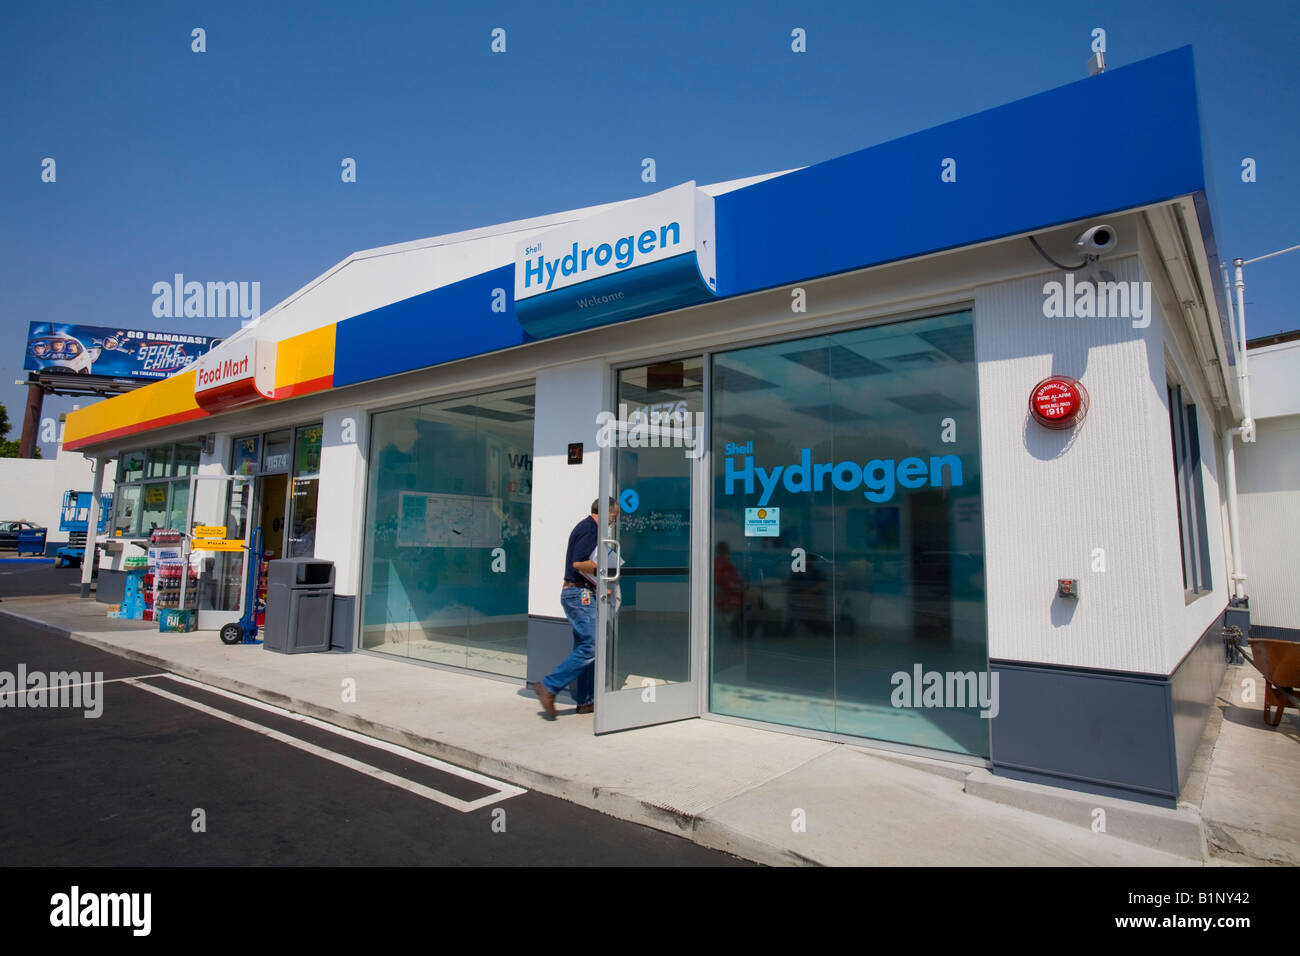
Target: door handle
(618, 559)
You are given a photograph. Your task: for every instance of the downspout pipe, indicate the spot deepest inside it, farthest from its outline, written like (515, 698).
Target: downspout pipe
(1243, 373)
(1234, 525)
(1236, 576)
(1247, 427)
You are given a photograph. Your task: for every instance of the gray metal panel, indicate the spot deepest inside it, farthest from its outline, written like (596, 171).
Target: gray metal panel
(1085, 727)
(343, 632)
(311, 613)
(549, 642)
(1193, 686)
(110, 586)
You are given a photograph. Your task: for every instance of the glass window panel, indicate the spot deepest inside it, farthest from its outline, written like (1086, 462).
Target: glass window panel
(306, 457)
(245, 462)
(153, 506)
(1196, 488)
(126, 511)
(860, 563)
(158, 462)
(278, 446)
(132, 466)
(1174, 405)
(187, 459)
(302, 526)
(178, 511)
(449, 512)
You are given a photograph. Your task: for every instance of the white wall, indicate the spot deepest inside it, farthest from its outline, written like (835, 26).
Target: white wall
(568, 398)
(32, 488)
(1274, 370)
(1268, 487)
(341, 496)
(1052, 497)
(1268, 502)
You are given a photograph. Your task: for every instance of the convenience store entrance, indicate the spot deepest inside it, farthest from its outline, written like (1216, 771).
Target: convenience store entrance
(272, 493)
(223, 501)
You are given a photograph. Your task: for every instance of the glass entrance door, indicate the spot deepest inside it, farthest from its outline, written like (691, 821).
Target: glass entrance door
(647, 633)
(221, 501)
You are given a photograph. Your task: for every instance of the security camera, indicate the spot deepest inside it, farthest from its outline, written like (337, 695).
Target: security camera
(1096, 240)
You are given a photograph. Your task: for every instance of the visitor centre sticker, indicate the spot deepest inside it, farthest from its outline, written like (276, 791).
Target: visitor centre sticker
(762, 522)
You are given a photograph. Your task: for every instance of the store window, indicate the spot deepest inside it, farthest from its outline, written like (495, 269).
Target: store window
(186, 460)
(246, 455)
(306, 480)
(153, 492)
(448, 518)
(279, 446)
(178, 507)
(158, 462)
(132, 466)
(858, 566)
(126, 510)
(1189, 492)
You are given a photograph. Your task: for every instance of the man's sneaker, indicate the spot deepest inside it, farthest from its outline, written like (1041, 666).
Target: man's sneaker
(586, 708)
(547, 699)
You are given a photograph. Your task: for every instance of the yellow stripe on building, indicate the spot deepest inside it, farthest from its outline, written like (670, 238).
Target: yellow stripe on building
(305, 358)
(165, 402)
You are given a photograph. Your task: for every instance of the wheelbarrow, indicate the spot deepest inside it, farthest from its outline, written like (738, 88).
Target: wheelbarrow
(1279, 662)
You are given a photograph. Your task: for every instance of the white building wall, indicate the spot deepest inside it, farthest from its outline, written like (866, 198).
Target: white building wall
(567, 400)
(1273, 373)
(1172, 351)
(1268, 487)
(1053, 499)
(341, 494)
(1268, 502)
(32, 488)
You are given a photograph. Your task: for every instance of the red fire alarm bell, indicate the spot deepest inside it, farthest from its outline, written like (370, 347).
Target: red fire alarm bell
(1058, 402)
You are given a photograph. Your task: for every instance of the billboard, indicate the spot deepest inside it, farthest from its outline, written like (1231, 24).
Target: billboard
(119, 353)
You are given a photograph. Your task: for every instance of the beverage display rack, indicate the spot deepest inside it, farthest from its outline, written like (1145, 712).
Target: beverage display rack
(170, 582)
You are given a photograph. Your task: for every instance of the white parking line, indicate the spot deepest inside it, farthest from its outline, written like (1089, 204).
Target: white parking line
(504, 790)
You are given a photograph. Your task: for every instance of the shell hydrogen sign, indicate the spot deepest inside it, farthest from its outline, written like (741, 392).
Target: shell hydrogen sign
(235, 374)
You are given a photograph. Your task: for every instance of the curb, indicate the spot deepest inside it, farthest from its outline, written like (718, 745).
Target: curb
(697, 828)
(1180, 832)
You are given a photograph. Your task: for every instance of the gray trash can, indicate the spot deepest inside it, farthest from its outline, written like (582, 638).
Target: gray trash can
(299, 605)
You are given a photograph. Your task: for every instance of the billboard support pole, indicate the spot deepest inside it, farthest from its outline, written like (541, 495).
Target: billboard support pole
(31, 420)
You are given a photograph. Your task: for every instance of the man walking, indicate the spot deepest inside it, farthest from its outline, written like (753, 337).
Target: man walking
(579, 600)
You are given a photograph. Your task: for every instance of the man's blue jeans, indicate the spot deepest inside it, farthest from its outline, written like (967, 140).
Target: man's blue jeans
(581, 662)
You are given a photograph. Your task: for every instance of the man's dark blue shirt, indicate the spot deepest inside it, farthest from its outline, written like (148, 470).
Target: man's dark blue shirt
(582, 542)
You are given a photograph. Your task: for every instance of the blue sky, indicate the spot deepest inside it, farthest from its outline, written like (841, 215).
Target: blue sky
(225, 165)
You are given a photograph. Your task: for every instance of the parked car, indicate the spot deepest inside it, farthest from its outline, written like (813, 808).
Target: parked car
(9, 533)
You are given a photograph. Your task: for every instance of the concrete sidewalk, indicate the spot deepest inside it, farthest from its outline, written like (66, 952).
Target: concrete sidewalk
(741, 790)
